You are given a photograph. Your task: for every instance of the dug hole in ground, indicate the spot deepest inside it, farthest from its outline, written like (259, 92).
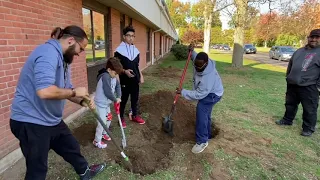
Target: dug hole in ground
(155, 154)
(148, 147)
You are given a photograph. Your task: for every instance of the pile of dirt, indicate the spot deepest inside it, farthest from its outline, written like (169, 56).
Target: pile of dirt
(168, 72)
(148, 147)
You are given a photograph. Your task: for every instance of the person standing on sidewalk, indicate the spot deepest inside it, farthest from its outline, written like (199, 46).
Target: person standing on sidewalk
(131, 77)
(207, 90)
(303, 84)
(37, 108)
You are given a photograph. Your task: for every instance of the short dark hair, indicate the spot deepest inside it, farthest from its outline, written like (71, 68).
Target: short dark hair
(202, 56)
(114, 64)
(128, 29)
(74, 31)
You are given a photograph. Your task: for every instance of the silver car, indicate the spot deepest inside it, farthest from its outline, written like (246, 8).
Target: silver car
(281, 53)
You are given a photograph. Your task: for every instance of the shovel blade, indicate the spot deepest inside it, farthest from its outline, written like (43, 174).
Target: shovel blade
(167, 125)
(124, 144)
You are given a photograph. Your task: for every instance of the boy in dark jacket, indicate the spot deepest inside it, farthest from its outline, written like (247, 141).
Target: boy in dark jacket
(131, 77)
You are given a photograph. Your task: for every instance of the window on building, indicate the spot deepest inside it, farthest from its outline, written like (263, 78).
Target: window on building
(94, 26)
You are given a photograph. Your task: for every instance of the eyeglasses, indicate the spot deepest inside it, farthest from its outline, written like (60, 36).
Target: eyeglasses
(131, 36)
(81, 48)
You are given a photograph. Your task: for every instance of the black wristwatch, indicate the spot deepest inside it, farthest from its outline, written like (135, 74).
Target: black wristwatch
(81, 102)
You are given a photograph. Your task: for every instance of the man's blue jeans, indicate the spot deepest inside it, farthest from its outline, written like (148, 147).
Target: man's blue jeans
(203, 122)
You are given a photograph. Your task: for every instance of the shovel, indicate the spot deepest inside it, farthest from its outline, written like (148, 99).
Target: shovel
(167, 123)
(117, 109)
(126, 159)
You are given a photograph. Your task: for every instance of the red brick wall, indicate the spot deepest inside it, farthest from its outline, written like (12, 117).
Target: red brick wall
(23, 25)
(115, 30)
(141, 41)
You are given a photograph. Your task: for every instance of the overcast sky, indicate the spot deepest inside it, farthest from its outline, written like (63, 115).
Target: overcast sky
(225, 18)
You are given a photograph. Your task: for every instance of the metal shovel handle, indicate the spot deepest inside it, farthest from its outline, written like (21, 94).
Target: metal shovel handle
(117, 109)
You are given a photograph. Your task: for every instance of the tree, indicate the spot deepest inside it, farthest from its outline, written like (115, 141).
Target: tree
(250, 19)
(228, 36)
(192, 35)
(197, 18)
(301, 22)
(240, 20)
(208, 14)
(267, 27)
(249, 36)
(216, 35)
(98, 24)
(179, 13)
(287, 40)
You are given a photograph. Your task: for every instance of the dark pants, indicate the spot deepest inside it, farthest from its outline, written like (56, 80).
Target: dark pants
(203, 122)
(308, 96)
(36, 141)
(131, 90)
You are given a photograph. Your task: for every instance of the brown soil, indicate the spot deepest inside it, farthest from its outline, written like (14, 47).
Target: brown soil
(148, 147)
(168, 72)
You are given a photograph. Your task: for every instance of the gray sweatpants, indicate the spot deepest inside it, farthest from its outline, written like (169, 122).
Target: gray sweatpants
(103, 112)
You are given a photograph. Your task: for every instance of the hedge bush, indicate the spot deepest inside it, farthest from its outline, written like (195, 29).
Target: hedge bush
(180, 51)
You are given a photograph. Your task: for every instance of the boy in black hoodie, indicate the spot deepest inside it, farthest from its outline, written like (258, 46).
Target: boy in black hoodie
(131, 77)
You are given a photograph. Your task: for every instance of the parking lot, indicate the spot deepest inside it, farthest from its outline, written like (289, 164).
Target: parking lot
(264, 58)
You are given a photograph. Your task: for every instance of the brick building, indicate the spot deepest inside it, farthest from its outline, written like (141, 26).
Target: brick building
(26, 24)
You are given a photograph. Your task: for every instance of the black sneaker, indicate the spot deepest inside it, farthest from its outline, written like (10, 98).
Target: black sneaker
(92, 171)
(306, 133)
(283, 123)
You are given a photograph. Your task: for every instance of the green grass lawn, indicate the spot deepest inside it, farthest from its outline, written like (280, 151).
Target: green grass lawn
(101, 54)
(250, 145)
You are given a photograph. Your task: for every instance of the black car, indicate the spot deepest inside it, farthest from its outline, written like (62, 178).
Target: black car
(249, 49)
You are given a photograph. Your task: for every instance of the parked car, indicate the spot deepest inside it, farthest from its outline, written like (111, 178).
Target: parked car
(281, 53)
(99, 45)
(226, 47)
(249, 48)
(214, 46)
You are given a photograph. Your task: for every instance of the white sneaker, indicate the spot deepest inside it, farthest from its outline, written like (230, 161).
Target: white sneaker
(100, 144)
(198, 148)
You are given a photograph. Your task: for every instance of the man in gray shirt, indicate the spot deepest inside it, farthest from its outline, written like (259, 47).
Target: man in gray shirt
(303, 84)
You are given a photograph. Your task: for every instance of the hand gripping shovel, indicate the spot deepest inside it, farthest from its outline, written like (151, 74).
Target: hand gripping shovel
(126, 159)
(167, 124)
(117, 109)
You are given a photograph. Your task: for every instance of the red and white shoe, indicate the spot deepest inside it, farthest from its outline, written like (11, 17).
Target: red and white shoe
(138, 119)
(100, 144)
(106, 137)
